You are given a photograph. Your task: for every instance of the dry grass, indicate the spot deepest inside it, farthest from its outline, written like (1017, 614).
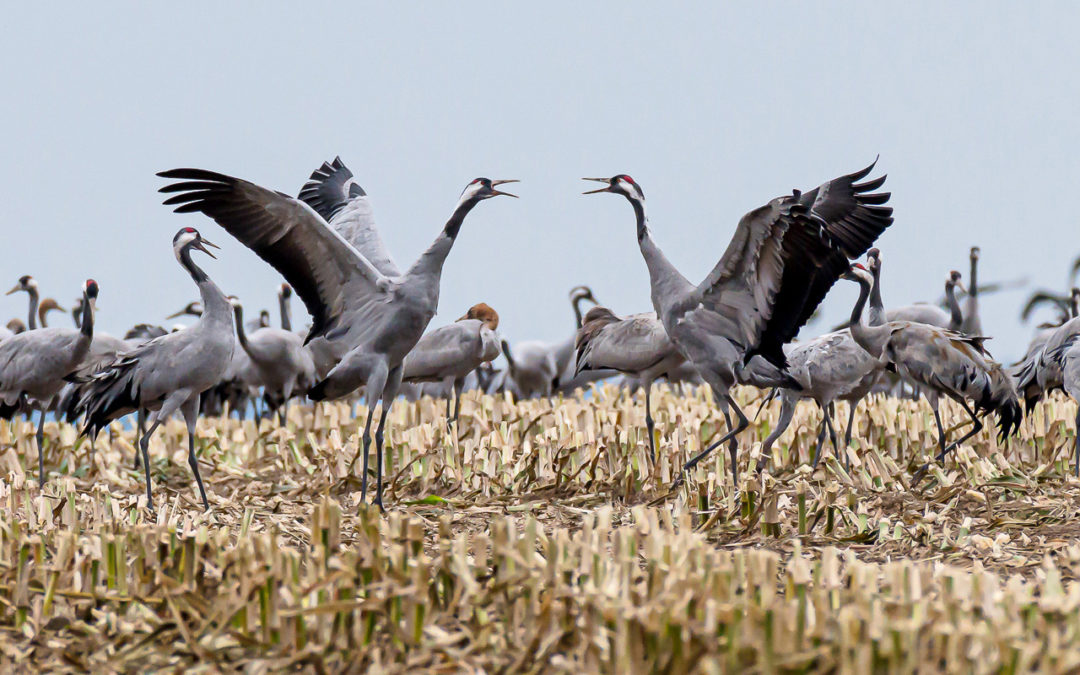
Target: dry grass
(542, 541)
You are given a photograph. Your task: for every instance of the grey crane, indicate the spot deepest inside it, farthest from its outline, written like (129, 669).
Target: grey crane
(28, 285)
(193, 308)
(284, 296)
(921, 312)
(943, 363)
(635, 345)
(450, 353)
(327, 247)
(538, 368)
(1071, 384)
(782, 260)
(1043, 368)
(48, 305)
(972, 322)
(167, 374)
(281, 363)
(33, 366)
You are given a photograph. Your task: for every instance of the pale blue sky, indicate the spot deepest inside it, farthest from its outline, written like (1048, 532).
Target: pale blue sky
(713, 110)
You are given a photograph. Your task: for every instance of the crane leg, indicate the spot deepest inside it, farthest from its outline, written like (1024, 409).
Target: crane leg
(144, 447)
(940, 430)
(743, 423)
(820, 443)
(1077, 469)
(830, 412)
(388, 394)
(850, 423)
(976, 427)
(787, 411)
(459, 386)
(140, 426)
(649, 424)
(40, 437)
(376, 381)
(190, 410)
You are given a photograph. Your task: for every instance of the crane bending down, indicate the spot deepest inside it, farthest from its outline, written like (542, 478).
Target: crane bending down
(942, 363)
(281, 363)
(167, 373)
(326, 245)
(782, 260)
(450, 353)
(636, 345)
(33, 366)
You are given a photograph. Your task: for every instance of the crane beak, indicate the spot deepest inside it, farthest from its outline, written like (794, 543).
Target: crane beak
(606, 188)
(176, 314)
(201, 244)
(16, 289)
(961, 287)
(503, 182)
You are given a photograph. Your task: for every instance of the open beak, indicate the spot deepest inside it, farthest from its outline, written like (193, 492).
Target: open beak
(503, 182)
(606, 188)
(203, 243)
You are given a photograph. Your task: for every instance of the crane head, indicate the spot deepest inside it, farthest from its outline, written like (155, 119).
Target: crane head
(189, 238)
(974, 252)
(858, 273)
(954, 281)
(285, 291)
(484, 313)
(90, 289)
(26, 283)
(484, 188)
(621, 184)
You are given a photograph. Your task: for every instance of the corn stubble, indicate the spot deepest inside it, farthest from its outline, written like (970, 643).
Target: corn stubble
(541, 540)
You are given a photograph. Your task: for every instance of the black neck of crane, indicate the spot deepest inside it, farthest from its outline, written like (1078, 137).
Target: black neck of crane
(973, 280)
(458, 217)
(286, 318)
(864, 293)
(87, 327)
(194, 270)
(956, 317)
(639, 214)
(33, 307)
(241, 334)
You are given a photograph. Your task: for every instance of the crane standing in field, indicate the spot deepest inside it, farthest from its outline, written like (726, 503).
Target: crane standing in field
(942, 363)
(782, 260)
(326, 245)
(33, 366)
(450, 353)
(636, 345)
(281, 364)
(168, 373)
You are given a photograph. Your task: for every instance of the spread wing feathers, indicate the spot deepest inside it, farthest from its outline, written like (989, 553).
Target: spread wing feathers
(338, 198)
(446, 351)
(630, 345)
(1040, 298)
(786, 255)
(956, 365)
(328, 273)
(853, 211)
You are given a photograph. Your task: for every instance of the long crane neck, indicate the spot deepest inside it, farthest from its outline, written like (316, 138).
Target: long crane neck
(430, 262)
(973, 280)
(215, 305)
(87, 326)
(32, 320)
(238, 319)
(956, 317)
(877, 307)
(872, 338)
(286, 315)
(665, 281)
(578, 317)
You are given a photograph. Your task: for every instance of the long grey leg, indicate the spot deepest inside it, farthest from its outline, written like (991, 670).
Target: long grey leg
(144, 445)
(649, 424)
(140, 427)
(820, 443)
(976, 427)
(388, 394)
(190, 410)
(829, 411)
(940, 428)
(375, 384)
(40, 437)
(787, 411)
(743, 423)
(1077, 470)
(850, 423)
(459, 386)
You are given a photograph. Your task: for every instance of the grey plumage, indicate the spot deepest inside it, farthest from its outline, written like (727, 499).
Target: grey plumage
(34, 365)
(369, 316)
(635, 345)
(167, 374)
(782, 260)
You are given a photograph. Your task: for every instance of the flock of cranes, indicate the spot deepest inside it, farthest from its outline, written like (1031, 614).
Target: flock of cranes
(369, 325)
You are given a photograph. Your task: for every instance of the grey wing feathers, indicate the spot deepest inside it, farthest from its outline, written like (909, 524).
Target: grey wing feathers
(630, 345)
(324, 269)
(443, 351)
(338, 198)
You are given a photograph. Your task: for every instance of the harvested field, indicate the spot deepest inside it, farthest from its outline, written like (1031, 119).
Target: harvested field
(542, 541)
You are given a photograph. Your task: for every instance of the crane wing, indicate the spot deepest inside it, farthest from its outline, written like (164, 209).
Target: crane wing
(787, 254)
(329, 275)
(338, 198)
(438, 353)
(629, 344)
